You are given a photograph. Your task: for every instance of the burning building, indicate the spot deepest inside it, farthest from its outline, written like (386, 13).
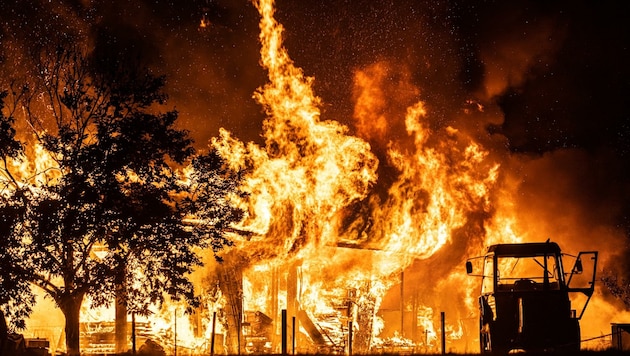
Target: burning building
(359, 225)
(362, 235)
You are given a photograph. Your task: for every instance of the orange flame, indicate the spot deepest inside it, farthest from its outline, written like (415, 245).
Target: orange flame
(310, 172)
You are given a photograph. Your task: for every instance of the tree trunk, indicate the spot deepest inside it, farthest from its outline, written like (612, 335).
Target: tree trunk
(71, 308)
(122, 344)
(121, 331)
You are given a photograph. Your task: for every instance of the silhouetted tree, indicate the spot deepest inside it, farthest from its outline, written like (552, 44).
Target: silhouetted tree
(108, 208)
(619, 287)
(16, 297)
(211, 190)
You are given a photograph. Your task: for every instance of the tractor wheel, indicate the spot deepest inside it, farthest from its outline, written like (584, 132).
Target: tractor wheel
(574, 337)
(490, 343)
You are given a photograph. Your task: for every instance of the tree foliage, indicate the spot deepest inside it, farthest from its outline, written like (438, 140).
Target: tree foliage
(107, 208)
(10, 147)
(619, 287)
(211, 190)
(16, 297)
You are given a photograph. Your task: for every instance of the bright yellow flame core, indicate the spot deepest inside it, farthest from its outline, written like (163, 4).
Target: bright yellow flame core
(309, 170)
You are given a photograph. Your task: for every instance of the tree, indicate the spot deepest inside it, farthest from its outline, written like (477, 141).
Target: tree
(16, 297)
(211, 190)
(107, 211)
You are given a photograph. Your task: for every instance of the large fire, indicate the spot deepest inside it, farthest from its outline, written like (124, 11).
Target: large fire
(353, 230)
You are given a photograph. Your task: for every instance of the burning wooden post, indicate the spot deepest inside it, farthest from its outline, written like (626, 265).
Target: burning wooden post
(402, 304)
(442, 325)
(292, 291)
(365, 311)
(293, 335)
(275, 288)
(214, 324)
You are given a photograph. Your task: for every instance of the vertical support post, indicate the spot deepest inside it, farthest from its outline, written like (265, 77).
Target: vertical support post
(175, 333)
(350, 330)
(293, 306)
(274, 306)
(284, 332)
(402, 304)
(214, 324)
(133, 333)
(443, 333)
(414, 313)
(239, 326)
(293, 335)
(292, 291)
(520, 315)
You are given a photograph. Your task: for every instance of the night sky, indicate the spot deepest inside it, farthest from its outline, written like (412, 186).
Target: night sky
(552, 76)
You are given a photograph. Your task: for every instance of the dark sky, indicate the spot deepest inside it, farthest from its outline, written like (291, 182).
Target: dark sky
(552, 75)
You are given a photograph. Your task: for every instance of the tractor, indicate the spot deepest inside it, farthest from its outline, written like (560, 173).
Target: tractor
(526, 297)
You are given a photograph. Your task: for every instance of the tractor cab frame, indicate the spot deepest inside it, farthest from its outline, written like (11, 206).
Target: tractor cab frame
(526, 296)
